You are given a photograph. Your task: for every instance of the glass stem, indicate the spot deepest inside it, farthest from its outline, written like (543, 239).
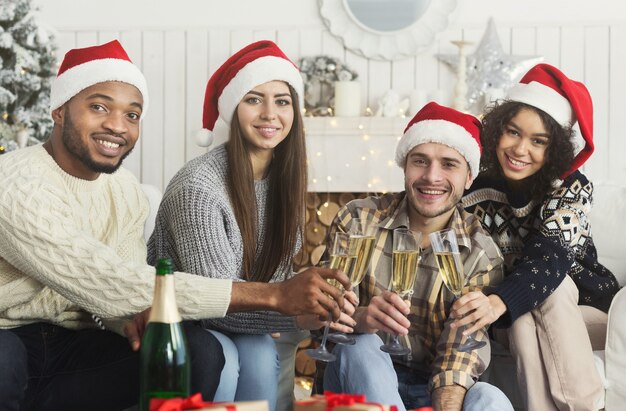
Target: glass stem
(468, 336)
(325, 335)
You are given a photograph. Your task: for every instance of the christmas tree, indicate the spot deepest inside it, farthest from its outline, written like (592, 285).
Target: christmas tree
(27, 66)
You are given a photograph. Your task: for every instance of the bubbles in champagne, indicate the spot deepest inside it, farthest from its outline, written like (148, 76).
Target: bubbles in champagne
(361, 247)
(404, 265)
(451, 271)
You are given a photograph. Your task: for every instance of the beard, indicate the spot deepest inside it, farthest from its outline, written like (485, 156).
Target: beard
(79, 150)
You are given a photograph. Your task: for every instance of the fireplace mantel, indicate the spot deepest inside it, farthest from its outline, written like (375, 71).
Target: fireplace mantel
(353, 154)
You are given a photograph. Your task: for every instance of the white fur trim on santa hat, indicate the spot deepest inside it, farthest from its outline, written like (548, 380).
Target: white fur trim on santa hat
(544, 98)
(442, 132)
(76, 79)
(259, 71)
(204, 137)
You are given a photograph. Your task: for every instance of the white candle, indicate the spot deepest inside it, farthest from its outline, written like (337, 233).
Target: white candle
(347, 99)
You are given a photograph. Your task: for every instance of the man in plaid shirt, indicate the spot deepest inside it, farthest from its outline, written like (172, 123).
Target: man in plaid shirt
(440, 155)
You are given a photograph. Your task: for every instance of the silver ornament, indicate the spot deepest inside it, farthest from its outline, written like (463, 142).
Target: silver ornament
(489, 67)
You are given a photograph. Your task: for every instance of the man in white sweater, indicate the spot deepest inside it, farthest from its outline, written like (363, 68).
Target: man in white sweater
(72, 246)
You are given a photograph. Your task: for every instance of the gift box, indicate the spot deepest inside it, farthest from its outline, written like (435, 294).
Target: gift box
(339, 402)
(195, 402)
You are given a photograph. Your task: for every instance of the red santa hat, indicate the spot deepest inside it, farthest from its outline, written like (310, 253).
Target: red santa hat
(251, 66)
(567, 101)
(82, 68)
(443, 125)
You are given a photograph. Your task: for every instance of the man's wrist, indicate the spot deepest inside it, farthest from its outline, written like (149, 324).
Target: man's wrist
(254, 296)
(448, 398)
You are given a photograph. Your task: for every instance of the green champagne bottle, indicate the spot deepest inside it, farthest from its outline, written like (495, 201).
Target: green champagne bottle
(164, 362)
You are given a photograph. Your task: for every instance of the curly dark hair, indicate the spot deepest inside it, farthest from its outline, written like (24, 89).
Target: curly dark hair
(559, 153)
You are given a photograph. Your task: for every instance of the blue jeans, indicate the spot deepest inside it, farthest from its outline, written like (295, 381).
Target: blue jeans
(364, 369)
(47, 367)
(251, 369)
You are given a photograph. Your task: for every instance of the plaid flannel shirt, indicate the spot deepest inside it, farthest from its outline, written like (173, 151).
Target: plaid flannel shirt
(430, 337)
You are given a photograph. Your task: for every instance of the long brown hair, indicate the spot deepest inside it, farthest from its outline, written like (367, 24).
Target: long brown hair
(285, 203)
(559, 153)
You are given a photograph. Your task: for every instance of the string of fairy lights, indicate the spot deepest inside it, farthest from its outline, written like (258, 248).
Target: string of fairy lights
(328, 136)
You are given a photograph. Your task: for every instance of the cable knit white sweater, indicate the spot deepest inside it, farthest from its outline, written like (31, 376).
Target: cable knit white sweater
(70, 248)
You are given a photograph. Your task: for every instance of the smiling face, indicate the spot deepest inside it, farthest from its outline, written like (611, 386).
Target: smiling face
(265, 116)
(98, 129)
(435, 176)
(521, 149)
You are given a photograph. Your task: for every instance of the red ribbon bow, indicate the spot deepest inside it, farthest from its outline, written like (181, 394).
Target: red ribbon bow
(180, 404)
(333, 400)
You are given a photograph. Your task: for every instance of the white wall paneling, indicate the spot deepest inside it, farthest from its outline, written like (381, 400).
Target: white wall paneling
(197, 67)
(177, 62)
(617, 91)
(153, 142)
(597, 79)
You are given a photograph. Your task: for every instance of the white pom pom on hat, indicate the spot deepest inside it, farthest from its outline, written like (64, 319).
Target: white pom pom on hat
(204, 137)
(255, 64)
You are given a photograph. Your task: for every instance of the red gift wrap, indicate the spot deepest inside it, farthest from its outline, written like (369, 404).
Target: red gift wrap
(339, 402)
(195, 402)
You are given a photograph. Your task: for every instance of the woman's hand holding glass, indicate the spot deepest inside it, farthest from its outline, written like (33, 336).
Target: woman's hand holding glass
(446, 250)
(405, 256)
(476, 310)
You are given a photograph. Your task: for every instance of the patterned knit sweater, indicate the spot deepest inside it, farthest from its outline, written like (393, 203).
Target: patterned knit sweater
(541, 243)
(196, 227)
(70, 248)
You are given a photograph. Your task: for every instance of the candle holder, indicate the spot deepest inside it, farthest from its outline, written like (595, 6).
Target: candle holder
(459, 101)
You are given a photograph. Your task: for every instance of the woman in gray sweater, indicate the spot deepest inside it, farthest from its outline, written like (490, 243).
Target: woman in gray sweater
(237, 212)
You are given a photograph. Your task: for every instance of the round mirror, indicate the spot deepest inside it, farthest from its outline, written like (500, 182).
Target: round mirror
(386, 16)
(386, 29)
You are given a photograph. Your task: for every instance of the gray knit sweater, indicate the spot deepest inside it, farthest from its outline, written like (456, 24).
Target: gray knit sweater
(196, 227)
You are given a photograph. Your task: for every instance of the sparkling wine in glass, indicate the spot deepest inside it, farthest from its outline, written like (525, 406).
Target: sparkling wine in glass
(362, 239)
(405, 256)
(340, 259)
(446, 250)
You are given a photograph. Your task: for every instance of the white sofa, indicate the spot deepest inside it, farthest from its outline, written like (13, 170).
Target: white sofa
(608, 220)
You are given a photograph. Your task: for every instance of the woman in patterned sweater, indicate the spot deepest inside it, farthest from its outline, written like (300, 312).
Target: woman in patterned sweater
(534, 202)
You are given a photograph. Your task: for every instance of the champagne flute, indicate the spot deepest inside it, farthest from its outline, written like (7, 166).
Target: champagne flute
(362, 239)
(340, 260)
(448, 258)
(405, 256)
